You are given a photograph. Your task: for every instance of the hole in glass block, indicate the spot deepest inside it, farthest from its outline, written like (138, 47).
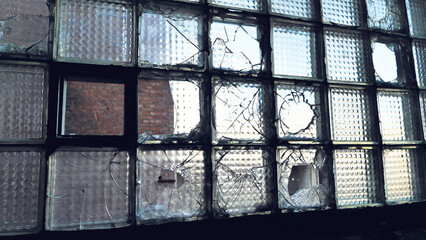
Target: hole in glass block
(301, 177)
(384, 60)
(298, 115)
(170, 178)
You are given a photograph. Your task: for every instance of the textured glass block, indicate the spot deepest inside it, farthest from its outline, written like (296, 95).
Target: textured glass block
(347, 56)
(242, 4)
(22, 88)
(422, 98)
(170, 185)
(94, 31)
(416, 11)
(303, 178)
(235, 47)
(402, 175)
(419, 53)
(169, 36)
(93, 108)
(19, 191)
(24, 26)
(295, 8)
(352, 115)
(386, 15)
(88, 189)
(357, 178)
(239, 182)
(294, 50)
(299, 112)
(345, 12)
(238, 111)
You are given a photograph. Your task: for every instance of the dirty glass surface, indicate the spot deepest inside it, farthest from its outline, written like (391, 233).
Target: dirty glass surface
(345, 12)
(243, 4)
(419, 54)
(88, 189)
(416, 12)
(170, 185)
(295, 8)
(388, 15)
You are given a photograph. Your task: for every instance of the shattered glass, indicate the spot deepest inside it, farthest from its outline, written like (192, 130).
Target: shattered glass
(295, 8)
(243, 4)
(170, 185)
(386, 15)
(345, 12)
(385, 62)
(419, 53)
(416, 11)
(88, 189)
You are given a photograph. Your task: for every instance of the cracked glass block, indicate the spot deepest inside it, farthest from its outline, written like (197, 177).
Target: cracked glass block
(299, 112)
(422, 98)
(294, 50)
(24, 27)
(92, 108)
(88, 189)
(416, 12)
(352, 115)
(22, 89)
(419, 53)
(295, 8)
(235, 47)
(357, 177)
(240, 4)
(386, 15)
(345, 12)
(170, 185)
(169, 35)
(239, 182)
(238, 111)
(19, 191)
(347, 56)
(387, 62)
(303, 179)
(402, 170)
(94, 31)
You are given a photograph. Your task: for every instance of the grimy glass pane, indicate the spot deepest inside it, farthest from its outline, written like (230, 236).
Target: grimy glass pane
(24, 26)
(239, 182)
(93, 108)
(352, 115)
(94, 31)
(345, 12)
(169, 35)
(419, 53)
(347, 56)
(303, 179)
(357, 178)
(243, 4)
(416, 11)
(170, 185)
(386, 15)
(294, 50)
(22, 89)
(295, 8)
(19, 191)
(87, 189)
(299, 112)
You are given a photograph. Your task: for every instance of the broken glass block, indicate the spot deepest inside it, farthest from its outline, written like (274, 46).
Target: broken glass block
(386, 15)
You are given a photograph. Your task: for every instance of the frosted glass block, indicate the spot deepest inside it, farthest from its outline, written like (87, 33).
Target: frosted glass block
(402, 175)
(294, 50)
(386, 15)
(295, 8)
(24, 26)
(238, 111)
(170, 185)
(239, 182)
(416, 12)
(19, 191)
(352, 115)
(422, 98)
(241, 4)
(169, 36)
(88, 189)
(357, 178)
(347, 56)
(299, 112)
(345, 12)
(303, 179)
(22, 89)
(419, 53)
(235, 47)
(94, 31)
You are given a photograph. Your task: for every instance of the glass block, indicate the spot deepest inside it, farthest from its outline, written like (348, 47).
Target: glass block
(168, 109)
(386, 15)
(24, 27)
(303, 179)
(235, 47)
(347, 56)
(169, 35)
(357, 178)
(294, 50)
(419, 53)
(299, 112)
(88, 189)
(93, 108)
(170, 185)
(402, 175)
(386, 61)
(22, 90)
(239, 182)
(19, 191)
(238, 111)
(240, 4)
(416, 12)
(422, 98)
(345, 12)
(352, 115)
(94, 31)
(295, 8)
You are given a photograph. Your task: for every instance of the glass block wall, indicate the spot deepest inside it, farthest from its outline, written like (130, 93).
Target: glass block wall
(123, 113)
